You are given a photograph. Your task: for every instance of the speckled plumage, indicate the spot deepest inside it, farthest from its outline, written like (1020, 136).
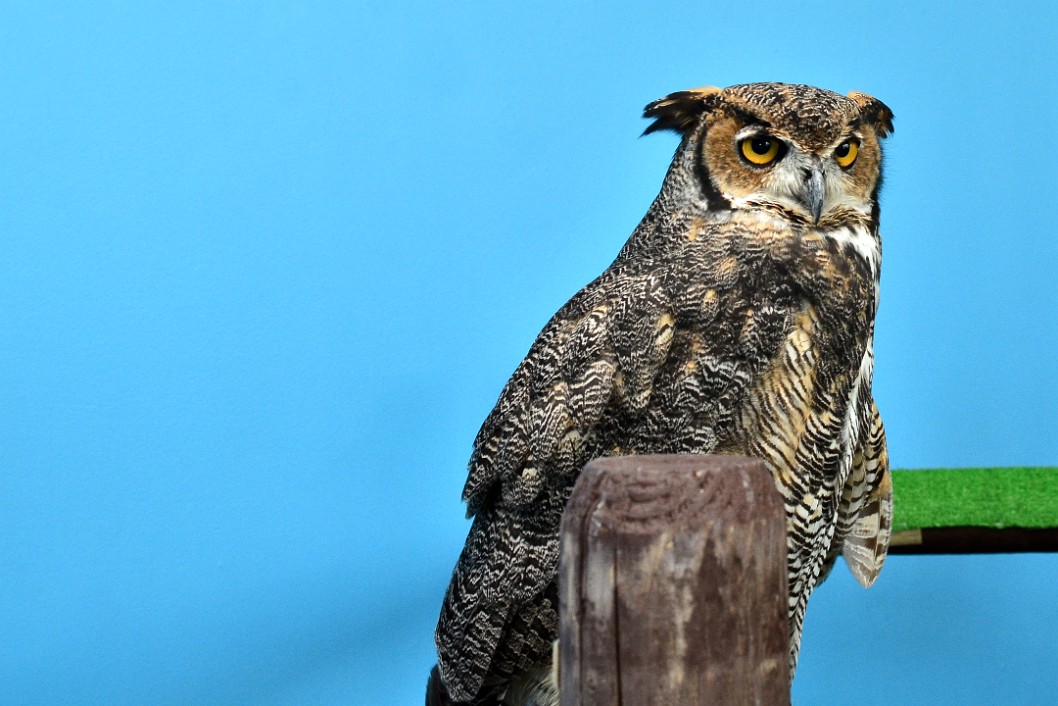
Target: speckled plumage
(738, 318)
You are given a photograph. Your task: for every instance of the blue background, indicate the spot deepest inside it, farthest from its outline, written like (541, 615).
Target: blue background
(265, 268)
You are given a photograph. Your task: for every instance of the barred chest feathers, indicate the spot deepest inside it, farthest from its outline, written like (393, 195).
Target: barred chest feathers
(738, 318)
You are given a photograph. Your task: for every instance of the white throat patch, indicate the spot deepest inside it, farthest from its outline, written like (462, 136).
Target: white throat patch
(861, 241)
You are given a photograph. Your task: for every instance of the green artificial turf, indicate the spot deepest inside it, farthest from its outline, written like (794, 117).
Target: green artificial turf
(975, 497)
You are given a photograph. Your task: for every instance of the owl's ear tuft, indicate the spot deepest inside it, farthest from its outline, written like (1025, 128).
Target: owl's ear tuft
(874, 112)
(681, 110)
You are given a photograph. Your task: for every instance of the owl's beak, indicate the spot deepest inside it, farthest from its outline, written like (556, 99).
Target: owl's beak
(813, 191)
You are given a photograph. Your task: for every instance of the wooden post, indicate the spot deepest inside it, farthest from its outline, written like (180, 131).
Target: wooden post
(672, 579)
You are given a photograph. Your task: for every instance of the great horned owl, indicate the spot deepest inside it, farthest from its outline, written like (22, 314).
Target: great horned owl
(737, 319)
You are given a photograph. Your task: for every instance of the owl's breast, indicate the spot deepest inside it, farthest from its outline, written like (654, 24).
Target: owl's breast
(836, 266)
(795, 309)
(791, 415)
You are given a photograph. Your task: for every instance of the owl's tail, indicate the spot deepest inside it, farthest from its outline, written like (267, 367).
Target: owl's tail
(437, 693)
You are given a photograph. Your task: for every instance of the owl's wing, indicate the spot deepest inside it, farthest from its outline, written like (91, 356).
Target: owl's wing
(866, 512)
(597, 356)
(603, 348)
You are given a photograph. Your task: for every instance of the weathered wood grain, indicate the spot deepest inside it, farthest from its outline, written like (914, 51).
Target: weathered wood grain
(673, 584)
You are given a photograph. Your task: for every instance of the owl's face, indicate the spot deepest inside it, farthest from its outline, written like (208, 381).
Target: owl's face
(798, 153)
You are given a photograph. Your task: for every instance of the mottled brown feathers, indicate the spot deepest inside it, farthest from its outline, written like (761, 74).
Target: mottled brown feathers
(874, 112)
(738, 318)
(810, 111)
(679, 111)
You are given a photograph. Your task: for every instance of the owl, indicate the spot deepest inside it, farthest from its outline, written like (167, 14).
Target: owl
(737, 319)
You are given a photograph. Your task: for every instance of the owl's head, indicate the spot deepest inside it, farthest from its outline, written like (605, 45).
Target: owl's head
(799, 153)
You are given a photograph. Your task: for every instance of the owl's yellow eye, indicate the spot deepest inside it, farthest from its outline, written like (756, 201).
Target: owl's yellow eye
(846, 153)
(760, 150)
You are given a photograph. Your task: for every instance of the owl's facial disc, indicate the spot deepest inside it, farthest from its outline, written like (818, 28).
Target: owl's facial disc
(779, 172)
(758, 167)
